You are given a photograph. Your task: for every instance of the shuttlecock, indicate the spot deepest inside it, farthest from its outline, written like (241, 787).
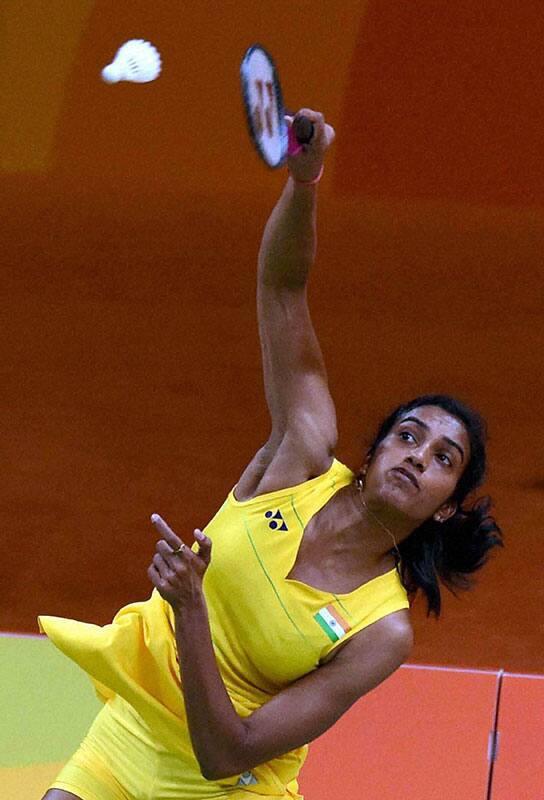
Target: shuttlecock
(136, 60)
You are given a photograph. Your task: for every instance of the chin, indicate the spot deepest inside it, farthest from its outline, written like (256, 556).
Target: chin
(394, 499)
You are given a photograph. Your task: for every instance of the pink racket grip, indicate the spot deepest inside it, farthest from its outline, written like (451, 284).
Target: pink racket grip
(294, 147)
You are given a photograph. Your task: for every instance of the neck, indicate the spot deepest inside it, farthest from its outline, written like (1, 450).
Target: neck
(381, 535)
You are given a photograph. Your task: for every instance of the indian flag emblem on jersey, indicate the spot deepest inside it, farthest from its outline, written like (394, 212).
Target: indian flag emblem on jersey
(334, 625)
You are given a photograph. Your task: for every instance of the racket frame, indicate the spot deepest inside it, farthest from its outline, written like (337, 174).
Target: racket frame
(278, 100)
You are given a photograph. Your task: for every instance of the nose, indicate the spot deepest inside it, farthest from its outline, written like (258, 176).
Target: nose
(417, 460)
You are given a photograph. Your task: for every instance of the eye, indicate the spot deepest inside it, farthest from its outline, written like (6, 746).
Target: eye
(406, 436)
(444, 459)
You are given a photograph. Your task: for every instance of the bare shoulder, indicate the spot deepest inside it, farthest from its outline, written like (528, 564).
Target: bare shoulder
(396, 626)
(368, 658)
(387, 641)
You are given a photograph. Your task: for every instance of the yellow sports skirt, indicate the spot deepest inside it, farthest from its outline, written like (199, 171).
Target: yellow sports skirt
(120, 759)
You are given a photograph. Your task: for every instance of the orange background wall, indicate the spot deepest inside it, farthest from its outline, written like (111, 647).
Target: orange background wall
(131, 220)
(426, 733)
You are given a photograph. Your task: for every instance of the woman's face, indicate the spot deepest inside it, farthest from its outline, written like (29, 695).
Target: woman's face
(415, 469)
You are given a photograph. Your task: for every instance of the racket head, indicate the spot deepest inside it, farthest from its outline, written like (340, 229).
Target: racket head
(263, 103)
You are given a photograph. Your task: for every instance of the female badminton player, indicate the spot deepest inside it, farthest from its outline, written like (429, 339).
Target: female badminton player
(294, 601)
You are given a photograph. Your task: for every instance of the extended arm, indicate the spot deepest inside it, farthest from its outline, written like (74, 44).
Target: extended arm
(295, 377)
(302, 412)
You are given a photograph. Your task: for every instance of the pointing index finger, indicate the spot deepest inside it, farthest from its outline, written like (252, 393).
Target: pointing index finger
(173, 540)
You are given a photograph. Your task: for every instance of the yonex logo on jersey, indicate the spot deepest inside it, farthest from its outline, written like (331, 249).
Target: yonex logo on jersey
(247, 779)
(275, 520)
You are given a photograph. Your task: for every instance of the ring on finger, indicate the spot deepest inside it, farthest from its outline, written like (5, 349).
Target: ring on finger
(180, 549)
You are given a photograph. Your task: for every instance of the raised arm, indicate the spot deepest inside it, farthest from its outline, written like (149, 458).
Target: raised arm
(302, 413)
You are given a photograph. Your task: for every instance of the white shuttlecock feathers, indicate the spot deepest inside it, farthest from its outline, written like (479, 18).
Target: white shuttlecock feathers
(136, 60)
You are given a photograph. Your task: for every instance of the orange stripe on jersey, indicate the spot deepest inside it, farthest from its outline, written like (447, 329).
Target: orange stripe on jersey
(341, 621)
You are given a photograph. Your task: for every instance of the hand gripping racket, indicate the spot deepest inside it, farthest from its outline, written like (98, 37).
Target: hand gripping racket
(265, 112)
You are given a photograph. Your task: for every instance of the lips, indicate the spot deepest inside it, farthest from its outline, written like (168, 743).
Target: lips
(409, 475)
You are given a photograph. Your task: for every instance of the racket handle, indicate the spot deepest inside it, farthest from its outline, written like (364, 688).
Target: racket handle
(303, 129)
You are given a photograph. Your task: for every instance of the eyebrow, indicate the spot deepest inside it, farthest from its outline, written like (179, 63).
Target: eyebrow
(426, 428)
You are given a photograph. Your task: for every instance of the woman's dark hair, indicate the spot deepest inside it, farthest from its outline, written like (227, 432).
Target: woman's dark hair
(452, 550)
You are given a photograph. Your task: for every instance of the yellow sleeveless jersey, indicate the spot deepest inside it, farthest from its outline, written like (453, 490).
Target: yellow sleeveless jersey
(267, 630)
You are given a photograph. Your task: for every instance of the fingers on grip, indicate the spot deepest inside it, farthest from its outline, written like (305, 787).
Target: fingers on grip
(323, 133)
(304, 129)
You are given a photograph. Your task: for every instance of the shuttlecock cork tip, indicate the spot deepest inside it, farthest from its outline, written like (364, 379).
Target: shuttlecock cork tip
(111, 74)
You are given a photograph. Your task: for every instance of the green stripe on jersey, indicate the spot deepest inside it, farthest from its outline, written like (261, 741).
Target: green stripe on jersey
(330, 633)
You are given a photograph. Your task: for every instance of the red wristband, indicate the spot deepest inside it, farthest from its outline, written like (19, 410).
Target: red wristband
(312, 182)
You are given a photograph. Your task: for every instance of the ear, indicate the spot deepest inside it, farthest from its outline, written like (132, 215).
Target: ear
(365, 465)
(445, 511)
(361, 474)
